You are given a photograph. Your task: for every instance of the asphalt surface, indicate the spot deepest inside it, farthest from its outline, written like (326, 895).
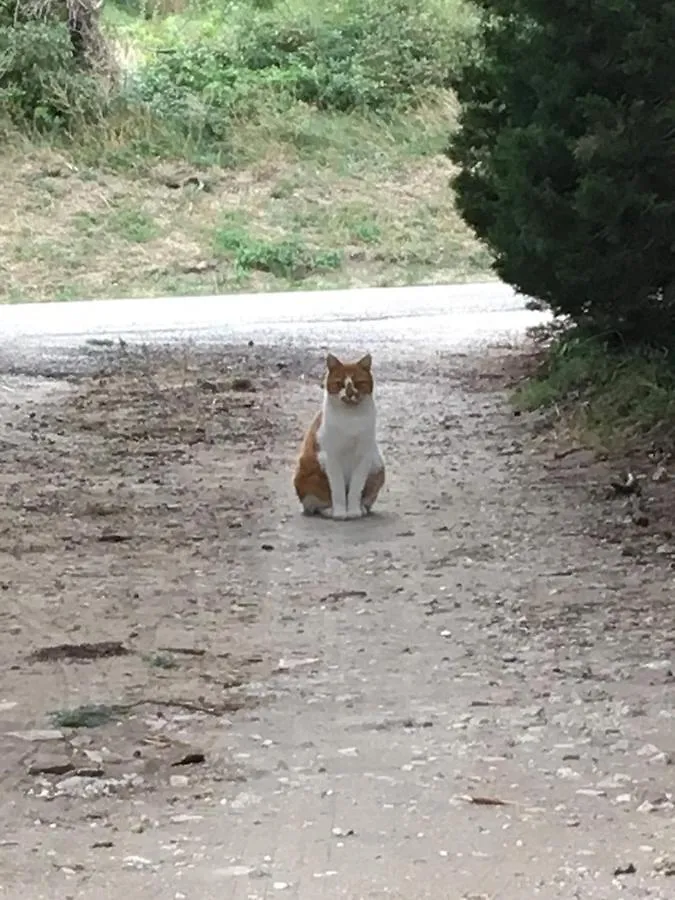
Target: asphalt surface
(449, 317)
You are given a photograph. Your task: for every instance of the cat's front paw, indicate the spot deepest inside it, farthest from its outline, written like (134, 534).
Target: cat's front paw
(340, 513)
(355, 513)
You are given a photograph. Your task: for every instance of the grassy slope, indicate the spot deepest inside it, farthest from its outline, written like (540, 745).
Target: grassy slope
(324, 186)
(308, 199)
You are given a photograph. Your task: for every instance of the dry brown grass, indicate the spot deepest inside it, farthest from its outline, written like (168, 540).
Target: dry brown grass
(72, 230)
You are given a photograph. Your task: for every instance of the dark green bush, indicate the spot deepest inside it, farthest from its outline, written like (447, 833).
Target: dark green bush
(55, 64)
(566, 147)
(41, 83)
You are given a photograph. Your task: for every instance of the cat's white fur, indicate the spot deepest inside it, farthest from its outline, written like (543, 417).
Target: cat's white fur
(348, 452)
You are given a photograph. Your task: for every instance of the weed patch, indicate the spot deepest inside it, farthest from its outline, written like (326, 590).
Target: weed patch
(88, 716)
(610, 397)
(286, 258)
(133, 225)
(161, 661)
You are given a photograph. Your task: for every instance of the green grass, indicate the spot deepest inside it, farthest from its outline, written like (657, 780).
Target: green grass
(610, 398)
(363, 202)
(264, 192)
(88, 716)
(133, 225)
(161, 661)
(289, 258)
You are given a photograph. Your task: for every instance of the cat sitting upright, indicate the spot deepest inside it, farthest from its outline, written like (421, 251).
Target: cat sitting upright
(340, 471)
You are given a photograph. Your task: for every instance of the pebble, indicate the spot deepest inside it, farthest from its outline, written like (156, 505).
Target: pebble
(648, 750)
(179, 781)
(614, 781)
(658, 665)
(663, 802)
(89, 787)
(260, 872)
(665, 865)
(71, 785)
(245, 800)
(287, 665)
(137, 862)
(567, 773)
(661, 759)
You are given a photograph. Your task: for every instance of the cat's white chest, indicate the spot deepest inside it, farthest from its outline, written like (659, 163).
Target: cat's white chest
(347, 438)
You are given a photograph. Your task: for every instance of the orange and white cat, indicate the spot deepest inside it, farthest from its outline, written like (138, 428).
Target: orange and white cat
(340, 470)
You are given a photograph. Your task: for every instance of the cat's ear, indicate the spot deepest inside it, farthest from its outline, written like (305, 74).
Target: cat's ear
(332, 362)
(366, 362)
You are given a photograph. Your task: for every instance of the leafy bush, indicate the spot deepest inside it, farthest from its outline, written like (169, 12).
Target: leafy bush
(370, 54)
(565, 147)
(194, 84)
(40, 84)
(47, 76)
(359, 55)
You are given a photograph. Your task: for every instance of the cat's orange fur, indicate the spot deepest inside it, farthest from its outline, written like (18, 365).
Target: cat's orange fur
(346, 420)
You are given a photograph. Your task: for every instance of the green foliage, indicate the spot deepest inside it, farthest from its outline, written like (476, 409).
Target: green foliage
(134, 225)
(289, 258)
(378, 55)
(369, 54)
(366, 232)
(607, 393)
(191, 71)
(565, 147)
(193, 84)
(41, 83)
(87, 716)
(161, 661)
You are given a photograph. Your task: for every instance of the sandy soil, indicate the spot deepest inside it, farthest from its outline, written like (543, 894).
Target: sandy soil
(204, 694)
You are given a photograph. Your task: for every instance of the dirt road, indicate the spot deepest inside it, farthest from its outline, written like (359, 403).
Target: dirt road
(469, 695)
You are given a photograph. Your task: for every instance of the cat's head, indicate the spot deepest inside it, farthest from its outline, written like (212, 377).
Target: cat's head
(349, 382)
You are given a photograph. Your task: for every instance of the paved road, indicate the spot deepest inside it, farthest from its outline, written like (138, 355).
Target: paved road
(454, 316)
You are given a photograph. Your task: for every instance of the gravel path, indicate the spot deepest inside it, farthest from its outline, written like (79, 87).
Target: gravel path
(469, 695)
